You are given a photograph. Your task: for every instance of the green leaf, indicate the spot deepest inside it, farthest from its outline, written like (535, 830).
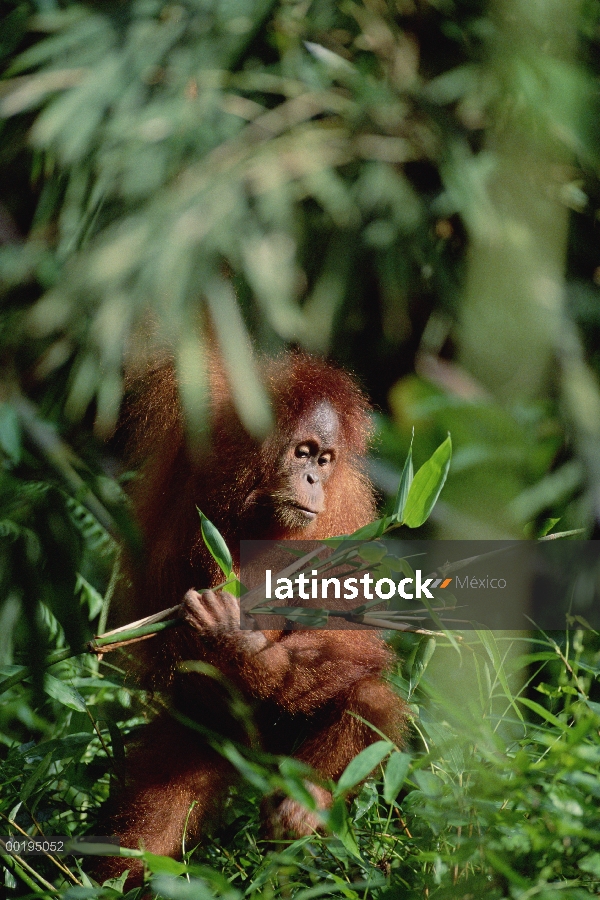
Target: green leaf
(339, 822)
(372, 530)
(163, 864)
(71, 746)
(396, 771)
(191, 375)
(35, 777)
(547, 526)
(247, 390)
(169, 887)
(426, 486)
(591, 704)
(372, 552)
(429, 783)
(88, 596)
(591, 864)
(406, 479)
(488, 640)
(233, 586)
(362, 765)
(425, 651)
(10, 433)
(252, 772)
(216, 544)
(367, 798)
(543, 713)
(64, 693)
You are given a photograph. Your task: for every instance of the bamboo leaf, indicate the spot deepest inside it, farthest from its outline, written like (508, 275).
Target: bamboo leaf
(64, 693)
(35, 777)
(426, 486)
(544, 713)
(216, 544)
(488, 640)
(362, 765)
(396, 771)
(372, 552)
(425, 651)
(372, 530)
(339, 822)
(406, 479)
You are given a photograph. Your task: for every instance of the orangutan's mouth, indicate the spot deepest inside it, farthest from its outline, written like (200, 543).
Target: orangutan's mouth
(306, 510)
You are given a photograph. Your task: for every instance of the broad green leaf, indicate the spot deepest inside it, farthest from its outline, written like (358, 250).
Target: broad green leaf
(547, 526)
(362, 765)
(367, 798)
(290, 767)
(591, 704)
(297, 790)
(543, 713)
(69, 747)
(372, 552)
(35, 777)
(425, 651)
(406, 479)
(163, 864)
(233, 586)
(192, 377)
(252, 772)
(216, 544)
(426, 486)
(88, 596)
(429, 783)
(64, 693)
(168, 886)
(339, 822)
(396, 771)
(248, 392)
(591, 864)
(398, 565)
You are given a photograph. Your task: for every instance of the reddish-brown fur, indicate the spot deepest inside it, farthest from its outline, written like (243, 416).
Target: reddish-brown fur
(305, 684)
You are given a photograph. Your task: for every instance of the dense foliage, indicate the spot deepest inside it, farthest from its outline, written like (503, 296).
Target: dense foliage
(498, 795)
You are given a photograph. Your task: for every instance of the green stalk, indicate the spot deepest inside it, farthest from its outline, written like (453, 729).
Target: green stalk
(96, 645)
